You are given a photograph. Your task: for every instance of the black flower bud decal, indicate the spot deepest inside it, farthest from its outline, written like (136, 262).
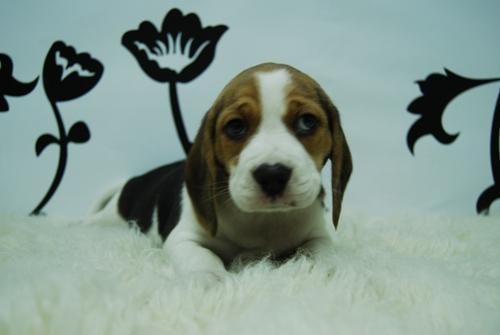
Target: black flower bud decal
(10, 86)
(179, 52)
(66, 75)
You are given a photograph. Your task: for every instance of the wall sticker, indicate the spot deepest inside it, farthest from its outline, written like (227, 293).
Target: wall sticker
(438, 90)
(176, 53)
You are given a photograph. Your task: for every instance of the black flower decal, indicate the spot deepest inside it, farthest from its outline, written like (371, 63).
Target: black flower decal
(10, 86)
(179, 52)
(438, 90)
(66, 75)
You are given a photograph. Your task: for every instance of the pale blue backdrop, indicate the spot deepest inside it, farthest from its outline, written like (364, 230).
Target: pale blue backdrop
(366, 54)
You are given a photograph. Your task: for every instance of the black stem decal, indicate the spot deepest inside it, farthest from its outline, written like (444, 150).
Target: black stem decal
(63, 157)
(178, 53)
(179, 123)
(438, 90)
(66, 75)
(492, 193)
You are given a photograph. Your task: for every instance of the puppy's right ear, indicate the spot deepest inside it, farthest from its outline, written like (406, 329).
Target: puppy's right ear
(200, 174)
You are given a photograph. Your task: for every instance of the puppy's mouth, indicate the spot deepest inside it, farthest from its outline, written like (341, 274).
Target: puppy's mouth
(262, 203)
(275, 203)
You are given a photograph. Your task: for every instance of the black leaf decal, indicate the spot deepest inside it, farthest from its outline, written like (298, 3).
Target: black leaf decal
(438, 90)
(10, 86)
(79, 133)
(44, 141)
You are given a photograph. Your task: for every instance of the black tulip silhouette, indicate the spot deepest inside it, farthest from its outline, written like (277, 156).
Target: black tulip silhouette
(66, 75)
(10, 86)
(438, 90)
(179, 52)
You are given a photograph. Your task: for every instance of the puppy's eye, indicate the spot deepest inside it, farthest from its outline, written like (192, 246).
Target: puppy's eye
(305, 124)
(236, 129)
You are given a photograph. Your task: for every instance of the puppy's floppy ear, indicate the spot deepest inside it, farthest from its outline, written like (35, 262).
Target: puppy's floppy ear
(200, 175)
(340, 156)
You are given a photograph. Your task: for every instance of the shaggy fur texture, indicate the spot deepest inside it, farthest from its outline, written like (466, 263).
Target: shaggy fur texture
(387, 276)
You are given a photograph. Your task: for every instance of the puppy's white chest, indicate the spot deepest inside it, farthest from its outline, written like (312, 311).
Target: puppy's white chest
(262, 233)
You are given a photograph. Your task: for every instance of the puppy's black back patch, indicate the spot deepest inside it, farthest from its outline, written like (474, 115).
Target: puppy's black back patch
(158, 189)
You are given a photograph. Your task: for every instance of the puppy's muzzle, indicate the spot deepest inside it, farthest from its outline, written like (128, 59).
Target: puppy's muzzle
(272, 178)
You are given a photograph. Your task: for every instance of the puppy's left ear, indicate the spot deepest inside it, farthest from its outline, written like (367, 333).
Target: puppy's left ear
(340, 156)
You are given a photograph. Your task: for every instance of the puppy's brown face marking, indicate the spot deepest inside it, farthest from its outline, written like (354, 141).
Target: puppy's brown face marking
(309, 123)
(238, 120)
(241, 113)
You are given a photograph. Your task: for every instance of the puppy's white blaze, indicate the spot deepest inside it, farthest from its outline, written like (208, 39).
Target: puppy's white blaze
(272, 88)
(272, 133)
(274, 143)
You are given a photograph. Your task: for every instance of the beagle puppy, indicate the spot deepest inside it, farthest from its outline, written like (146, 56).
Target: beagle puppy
(251, 184)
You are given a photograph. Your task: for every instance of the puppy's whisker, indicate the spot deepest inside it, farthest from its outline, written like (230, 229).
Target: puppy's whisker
(209, 187)
(215, 192)
(298, 194)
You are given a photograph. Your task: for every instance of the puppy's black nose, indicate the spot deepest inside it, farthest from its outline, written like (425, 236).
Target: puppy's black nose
(272, 178)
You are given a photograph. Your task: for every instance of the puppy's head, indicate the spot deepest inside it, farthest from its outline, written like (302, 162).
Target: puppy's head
(263, 144)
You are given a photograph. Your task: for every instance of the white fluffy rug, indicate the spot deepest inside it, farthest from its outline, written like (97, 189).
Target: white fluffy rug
(387, 276)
